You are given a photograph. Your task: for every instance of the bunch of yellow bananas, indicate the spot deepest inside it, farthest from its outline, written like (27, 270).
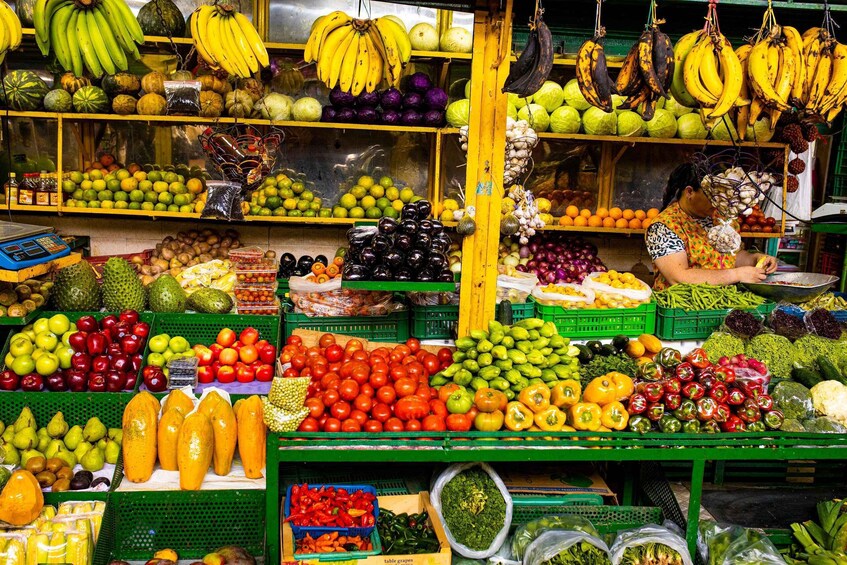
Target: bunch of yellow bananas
(647, 72)
(710, 74)
(821, 91)
(97, 36)
(226, 39)
(356, 55)
(10, 30)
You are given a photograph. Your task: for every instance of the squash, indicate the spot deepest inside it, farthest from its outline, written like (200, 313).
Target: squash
(140, 431)
(253, 87)
(91, 100)
(21, 500)
(121, 83)
(252, 435)
(239, 104)
(154, 82)
(195, 448)
(211, 104)
(213, 83)
(179, 400)
(23, 90)
(72, 83)
(650, 342)
(124, 104)
(58, 100)
(167, 438)
(225, 427)
(289, 80)
(162, 18)
(152, 104)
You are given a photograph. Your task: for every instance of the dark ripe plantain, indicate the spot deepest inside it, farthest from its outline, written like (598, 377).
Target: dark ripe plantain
(663, 58)
(649, 109)
(634, 100)
(523, 65)
(584, 72)
(601, 77)
(536, 62)
(645, 63)
(629, 77)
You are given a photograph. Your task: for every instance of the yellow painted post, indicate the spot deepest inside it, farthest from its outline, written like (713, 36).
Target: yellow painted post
(486, 160)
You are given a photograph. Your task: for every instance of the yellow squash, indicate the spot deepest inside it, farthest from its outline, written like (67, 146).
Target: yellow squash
(195, 449)
(140, 421)
(226, 434)
(21, 499)
(251, 436)
(168, 437)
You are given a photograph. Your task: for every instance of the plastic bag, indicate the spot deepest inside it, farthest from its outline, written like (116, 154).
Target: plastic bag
(13, 546)
(794, 400)
(726, 544)
(617, 297)
(504, 555)
(280, 420)
(550, 544)
(329, 299)
(516, 289)
(216, 273)
(652, 534)
(761, 552)
(445, 477)
(183, 97)
(289, 393)
(527, 533)
(786, 324)
(724, 237)
(566, 301)
(223, 200)
(822, 323)
(751, 381)
(433, 298)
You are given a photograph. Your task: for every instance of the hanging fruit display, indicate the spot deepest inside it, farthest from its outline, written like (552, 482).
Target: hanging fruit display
(10, 30)
(225, 39)
(592, 74)
(533, 66)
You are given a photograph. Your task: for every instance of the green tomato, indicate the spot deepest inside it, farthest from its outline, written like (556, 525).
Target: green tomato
(460, 402)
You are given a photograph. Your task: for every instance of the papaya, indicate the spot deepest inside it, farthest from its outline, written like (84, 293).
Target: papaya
(21, 500)
(168, 436)
(650, 342)
(179, 400)
(195, 448)
(140, 421)
(208, 403)
(252, 435)
(225, 427)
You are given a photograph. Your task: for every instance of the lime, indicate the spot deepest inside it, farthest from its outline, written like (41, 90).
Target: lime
(397, 205)
(187, 209)
(104, 195)
(107, 204)
(386, 182)
(151, 197)
(173, 208)
(280, 211)
(76, 177)
(368, 202)
(391, 213)
(93, 204)
(451, 204)
(261, 200)
(121, 205)
(95, 174)
(373, 213)
(289, 204)
(270, 181)
(68, 186)
(160, 207)
(392, 193)
(366, 181)
(122, 174)
(147, 206)
(114, 185)
(166, 197)
(406, 195)
(99, 185)
(309, 214)
(154, 176)
(86, 185)
(348, 201)
(298, 187)
(264, 212)
(273, 202)
(286, 193)
(75, 204)
(339, 212)
(315, 205)
(308, 195)
(180, 199)
(326, 213)
(160, 186)
(357, 212)
(359, 192)
(145, 185)
(170, 177)
(121, 196)
(283, 182)
(377, 191)
(302, 205)
(77, 195)
(383, 203)
(271, 191)
(255, 209)
(416, 198)
(446, 216)
(135, 206)
(89, 195)
(295, 213)
(177, 188)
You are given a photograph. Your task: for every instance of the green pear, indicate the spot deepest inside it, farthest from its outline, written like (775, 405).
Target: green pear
(73, 437)
(2, 427)
(81, 449)
(29, 454)
(94, 430)
(68, 457)
(53, 448)
(42, 432)
(116, 434)
(101, 445)
(93, 460)
(57, 427)
(26, 438)
(3, 447)
(8, 434)
(13, 456)
(43, 442)
(25, 419)
(113, 451)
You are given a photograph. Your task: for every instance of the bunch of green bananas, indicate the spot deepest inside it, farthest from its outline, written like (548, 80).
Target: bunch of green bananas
(10, 30)
(356, 55)
(226, 39)
(96, 35)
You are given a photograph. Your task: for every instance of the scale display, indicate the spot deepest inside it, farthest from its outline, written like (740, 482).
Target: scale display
(23, 246)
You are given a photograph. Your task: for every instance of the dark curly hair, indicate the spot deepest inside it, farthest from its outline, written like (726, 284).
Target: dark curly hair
(681, 177)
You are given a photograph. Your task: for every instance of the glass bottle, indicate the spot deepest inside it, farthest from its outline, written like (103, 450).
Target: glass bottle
(11, 190)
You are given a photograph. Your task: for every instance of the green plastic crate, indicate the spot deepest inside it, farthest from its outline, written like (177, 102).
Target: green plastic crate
(606, 519)
(678, 324)
(204, 328)
(137, 524)
(392, 328)
(598, 324)
(282, 288)
(439, 322)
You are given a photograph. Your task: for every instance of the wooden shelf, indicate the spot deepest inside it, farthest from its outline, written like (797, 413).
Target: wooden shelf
(657, 140)
(31, 208)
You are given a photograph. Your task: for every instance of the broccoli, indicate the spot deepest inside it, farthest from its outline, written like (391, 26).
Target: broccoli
(809, 347)
(792, 425)
(794, 400)
(823, 425)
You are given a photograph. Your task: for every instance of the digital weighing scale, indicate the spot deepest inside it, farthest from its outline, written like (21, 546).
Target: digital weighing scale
(834, 212)
(23, 246)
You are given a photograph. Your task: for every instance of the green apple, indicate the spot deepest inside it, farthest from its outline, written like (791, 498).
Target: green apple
(168, 354)
(41, 325)
(159, 343)
(47, 364)
(178, 344)
(9, 359)
(23, 365)
(38, 353)
(156, 359)
(59, 324)
(21, 347)
(64, 354)
(46, 340)
(67, 336)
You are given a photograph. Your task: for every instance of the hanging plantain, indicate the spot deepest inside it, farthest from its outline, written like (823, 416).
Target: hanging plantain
(592, 74)
(533, 67)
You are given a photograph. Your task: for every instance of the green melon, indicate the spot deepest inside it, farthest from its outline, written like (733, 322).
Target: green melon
(58, 100)
(161, 17)
(91, 100)
(24, 90)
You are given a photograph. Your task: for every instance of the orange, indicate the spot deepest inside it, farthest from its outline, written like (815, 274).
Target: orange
(652, 213)
(628, 214)
(646, 223)
(603, 213)
(635, 224)
(565, 221)
(581, 221)
(585, 213)
(640, 214)
(595, 221)
(608, 222)
(615, 213)
(572, 211)
(621, 223)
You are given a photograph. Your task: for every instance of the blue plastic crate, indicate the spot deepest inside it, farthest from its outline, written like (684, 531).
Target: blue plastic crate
(793, 309)
(315, 531)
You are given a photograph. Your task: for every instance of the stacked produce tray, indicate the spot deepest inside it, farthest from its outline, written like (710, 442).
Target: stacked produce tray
(439, 322)
(392, 328)
(678, 324)
(204, 328)
(597, 324)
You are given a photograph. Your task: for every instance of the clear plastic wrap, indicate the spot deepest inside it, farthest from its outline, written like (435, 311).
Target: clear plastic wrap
(433, 298)
(567, 301)
(527, 533)
(12, 547)
(183, 97)
(615, 297)
(727, 544)
(822, 323)
(794, 400)
(724, 237)
(547, 547)
(630, 542)
(223, 200)
(516, 289)
(445, 477)
(216, 273)
(329, 299)
(289, 393)
(751, 381)
(504, 555)
(783, 323)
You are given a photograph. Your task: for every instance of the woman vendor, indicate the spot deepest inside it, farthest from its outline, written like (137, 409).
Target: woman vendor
(678, 241)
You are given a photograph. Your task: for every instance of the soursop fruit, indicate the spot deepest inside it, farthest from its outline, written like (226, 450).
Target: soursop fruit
(210, 301)
(166, 295)
(76, 289)
(122, 290)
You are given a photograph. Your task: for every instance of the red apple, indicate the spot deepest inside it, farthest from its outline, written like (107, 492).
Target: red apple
(57, 382)
(249, 336)
(120, 330)
(121, 363)
(203, 354)
(114, 349)
(205, 374)
(87, 324)
(141, 329)
(95, 343)
(137, 362)
(77, 340)
(130, 317)
(156, 382)
(97, 382)
(109, 321)
(129, 380)
(226, 337)
(9, 380)
(81, 361)
(149, 371)
(215, 366)
(115, 381)
(131, 344)
(244, 373)
(33, 382)
(216, 349)
(265, 373)
(226, 374)
(100, 364)
(267, 353)
(77, 380)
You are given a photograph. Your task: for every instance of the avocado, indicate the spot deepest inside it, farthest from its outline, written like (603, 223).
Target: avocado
(620, 342)
(607, 350)
(585, 354)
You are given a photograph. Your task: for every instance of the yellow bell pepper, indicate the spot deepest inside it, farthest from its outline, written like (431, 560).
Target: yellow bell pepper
(566, 393)
(614, 416)
(585, 416)
(518, 417)
(535, 397)
(624, 387)
(567, 428)
(603, 429)
(600, 391)
(550, 420)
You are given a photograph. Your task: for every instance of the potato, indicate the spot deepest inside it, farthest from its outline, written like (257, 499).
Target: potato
(212, 239)
(168, 254)
(184, 258)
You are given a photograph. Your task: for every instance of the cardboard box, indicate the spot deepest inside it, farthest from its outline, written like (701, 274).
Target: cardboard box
(408, 503)
(556, 481)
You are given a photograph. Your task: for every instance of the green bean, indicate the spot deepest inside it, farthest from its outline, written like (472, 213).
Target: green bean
(706, 297)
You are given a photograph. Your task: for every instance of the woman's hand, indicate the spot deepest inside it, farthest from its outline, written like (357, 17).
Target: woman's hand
(766, 262)
(750, 274)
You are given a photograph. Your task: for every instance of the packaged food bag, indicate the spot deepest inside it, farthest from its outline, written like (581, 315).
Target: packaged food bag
(517, 288)
(527, 533)
(630, 545)
(614, 297)
(584, 297)
(319, 300)
(573, 547)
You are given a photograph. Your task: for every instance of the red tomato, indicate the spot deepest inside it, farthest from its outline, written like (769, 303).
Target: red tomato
(413, 344)
(471, 414)
(333, 384)
(445, 355)
(431, 364)
(413, 426)
(354, 344)
(326, 340)
(328, 378)
(351, 425)
(291, 373)
(438, 407)
(458, 423)
(445, 391)
(313, 351)
(404, 350)
(397, 372)
(331, 397)
(315, 406)
(348, 389)
(359, 416)
(334, 353)
(381, 412)
(340, 410)
(393, 425)
(309, 424)
(405, 387)
(378, 379)
(415, 370)
(322, 420)
(332, 425)
(298, 361)
(363, 403)
(433, 423)
(421, 354)
(373, 426)
(411, 408)
(360, 355)
(294, 340)
(386, 395)
(425, 392)
(361, 374)
(307, 372)
(367, 390)
(320, 370)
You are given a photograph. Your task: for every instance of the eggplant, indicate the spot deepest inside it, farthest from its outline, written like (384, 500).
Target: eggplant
(410, 211)
(381, 244)
(381, 273)
(437, 262)
(409, 226)
(369, 257)
(403, 275)
(423, 241)
(287, 261)
(387, 225)
(424, 209)
(437, 227)
(298, 272)
(415, 259)
(446, 276)
(441, 243)
(425, 276)
(359, 237)
(305, 262)
(425, 226)
(355, 272)
(403, 242)
(322, 259)
(394, 259)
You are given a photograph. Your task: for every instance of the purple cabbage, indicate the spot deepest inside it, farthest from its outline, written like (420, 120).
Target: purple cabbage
(435, 99)
(412, 101)
(329, 114)
(434, 118)
(420, 82)
(367, 116)
(391, 99)
(411, 118)
(391, 117)
(341, 99)
(370, 99)
(345, 115)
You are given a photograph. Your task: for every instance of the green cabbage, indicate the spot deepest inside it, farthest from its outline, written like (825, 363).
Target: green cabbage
(518, 101)
(760, 131)
(306, 110)
(663, 124)
(511, 111)
(468, 89)
(458, 113)
(630, 124)
(536, 116)
(574, 97)
(724, 130)
(676, 108)
(617, 100)
(565, 119)
(690, 126)
(597, 122)
(550, 96)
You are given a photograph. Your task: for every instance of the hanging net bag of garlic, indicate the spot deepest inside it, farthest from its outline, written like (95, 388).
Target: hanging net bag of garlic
(734, 183)
(520, 141)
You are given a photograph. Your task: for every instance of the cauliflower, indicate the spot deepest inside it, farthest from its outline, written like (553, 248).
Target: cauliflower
(830, 399)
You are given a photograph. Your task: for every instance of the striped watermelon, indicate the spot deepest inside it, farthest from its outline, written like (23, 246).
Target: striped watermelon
(91, 100)
(24, 90)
